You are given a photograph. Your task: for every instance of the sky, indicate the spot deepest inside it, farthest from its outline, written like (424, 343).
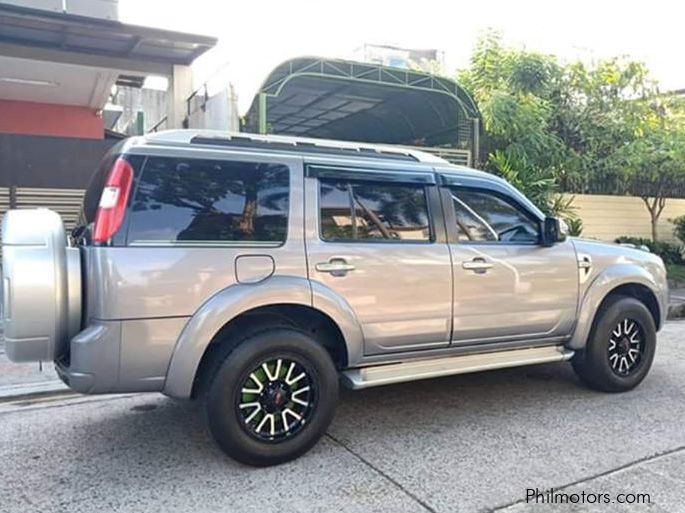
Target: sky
(256, 35)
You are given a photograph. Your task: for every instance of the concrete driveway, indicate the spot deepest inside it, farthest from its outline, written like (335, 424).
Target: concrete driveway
(465, 443)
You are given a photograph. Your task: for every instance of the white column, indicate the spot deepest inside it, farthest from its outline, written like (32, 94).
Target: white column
(180, 89)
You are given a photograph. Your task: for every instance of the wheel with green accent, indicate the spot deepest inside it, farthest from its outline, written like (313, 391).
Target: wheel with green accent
(272, 397)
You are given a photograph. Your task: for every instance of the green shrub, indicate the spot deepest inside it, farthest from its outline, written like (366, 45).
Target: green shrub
(575, 226)
(669, 252)
(679, 229)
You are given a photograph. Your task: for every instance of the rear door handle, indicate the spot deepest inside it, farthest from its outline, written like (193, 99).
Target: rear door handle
(478, 265)
(335, 266)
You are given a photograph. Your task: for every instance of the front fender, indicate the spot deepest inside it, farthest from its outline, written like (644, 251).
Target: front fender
(237, 299)
(606, 281)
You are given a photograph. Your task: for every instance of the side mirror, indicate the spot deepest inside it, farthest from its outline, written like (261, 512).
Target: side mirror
(553, 230)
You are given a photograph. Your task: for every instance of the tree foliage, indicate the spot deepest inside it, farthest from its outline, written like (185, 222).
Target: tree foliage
(515, 92)
(584, 128)
(652, 164)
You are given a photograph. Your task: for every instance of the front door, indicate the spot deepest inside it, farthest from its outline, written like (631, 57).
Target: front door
(371, 239)
(507, 286)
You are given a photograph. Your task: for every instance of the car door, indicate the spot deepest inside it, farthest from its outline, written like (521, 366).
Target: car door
(373, 242)
(507, 285)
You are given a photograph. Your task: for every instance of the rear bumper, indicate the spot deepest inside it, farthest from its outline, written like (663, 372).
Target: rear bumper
(93, 363)
(77, 381)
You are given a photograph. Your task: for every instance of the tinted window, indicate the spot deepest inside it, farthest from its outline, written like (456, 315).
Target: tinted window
(486, 217)
(373, 212)
(208, 201)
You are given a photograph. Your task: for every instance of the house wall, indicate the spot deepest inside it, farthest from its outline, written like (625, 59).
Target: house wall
(31, 118)
(608, 217)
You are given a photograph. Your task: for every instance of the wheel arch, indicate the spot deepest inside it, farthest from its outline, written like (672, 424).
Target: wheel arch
(290, 298)
(627, 280)
(640, 292)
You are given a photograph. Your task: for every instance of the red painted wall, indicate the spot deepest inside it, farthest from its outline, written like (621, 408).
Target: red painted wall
(47, 119)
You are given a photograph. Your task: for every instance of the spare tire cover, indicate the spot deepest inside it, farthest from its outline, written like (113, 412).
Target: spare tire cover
(41, 285)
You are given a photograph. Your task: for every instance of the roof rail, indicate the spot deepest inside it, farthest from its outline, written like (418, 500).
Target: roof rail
(302, 147)
(279, 143)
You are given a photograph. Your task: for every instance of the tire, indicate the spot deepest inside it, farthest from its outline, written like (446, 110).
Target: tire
(621, 346)
(255, 428)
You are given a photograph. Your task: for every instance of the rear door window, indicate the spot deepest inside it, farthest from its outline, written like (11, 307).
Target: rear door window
(209, 202)
(373, 212)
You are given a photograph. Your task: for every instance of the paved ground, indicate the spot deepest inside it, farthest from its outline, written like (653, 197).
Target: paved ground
(466, 443)
(25, 373)
(677, 295)
(25, 378)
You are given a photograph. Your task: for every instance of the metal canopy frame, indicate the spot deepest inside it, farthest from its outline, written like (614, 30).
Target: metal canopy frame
(94, 36)
(349, 100)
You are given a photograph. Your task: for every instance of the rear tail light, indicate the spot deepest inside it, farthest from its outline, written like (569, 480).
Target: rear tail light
(113, 200)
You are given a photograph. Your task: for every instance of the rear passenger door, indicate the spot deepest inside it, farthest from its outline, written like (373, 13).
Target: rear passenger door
(373, 239)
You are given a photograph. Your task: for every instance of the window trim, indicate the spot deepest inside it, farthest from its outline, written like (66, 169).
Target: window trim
(434, 235)
(370, 175)
(451, 215)
(490, 183)
(126, 225)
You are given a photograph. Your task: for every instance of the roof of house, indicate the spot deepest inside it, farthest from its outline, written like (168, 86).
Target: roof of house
(95, 36)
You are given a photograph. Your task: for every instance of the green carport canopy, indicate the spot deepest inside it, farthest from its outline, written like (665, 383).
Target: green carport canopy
(354, 101)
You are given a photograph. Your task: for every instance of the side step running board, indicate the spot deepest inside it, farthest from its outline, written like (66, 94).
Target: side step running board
(377, 375)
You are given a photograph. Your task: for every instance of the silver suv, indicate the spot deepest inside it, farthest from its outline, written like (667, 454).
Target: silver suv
(258, 272)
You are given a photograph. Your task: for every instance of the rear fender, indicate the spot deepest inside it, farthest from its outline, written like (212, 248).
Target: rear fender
(237, 299)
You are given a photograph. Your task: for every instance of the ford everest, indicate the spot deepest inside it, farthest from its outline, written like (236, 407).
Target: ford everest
(259, 272)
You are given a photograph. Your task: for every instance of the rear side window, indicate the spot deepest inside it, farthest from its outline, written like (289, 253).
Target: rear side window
(372, 212)
(205, 202)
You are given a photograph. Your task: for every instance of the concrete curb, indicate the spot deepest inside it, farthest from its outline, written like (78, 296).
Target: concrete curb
(676, 311)
(673, 284)
(26, 390)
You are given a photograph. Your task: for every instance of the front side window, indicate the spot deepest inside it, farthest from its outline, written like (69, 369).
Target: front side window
(483, 216)
(366, 211)
(196, 202)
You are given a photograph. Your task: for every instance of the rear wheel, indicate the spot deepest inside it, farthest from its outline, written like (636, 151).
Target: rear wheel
(272, 397)
(621, 347)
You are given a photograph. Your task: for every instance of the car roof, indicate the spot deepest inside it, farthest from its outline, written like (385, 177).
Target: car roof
(288, 144)
(320, 150)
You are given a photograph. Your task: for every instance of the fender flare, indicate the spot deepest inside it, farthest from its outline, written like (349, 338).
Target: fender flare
(608, 280)
(236, 299)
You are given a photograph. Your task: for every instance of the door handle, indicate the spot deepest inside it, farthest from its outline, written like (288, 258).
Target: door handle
(335, 266)
(478, 265)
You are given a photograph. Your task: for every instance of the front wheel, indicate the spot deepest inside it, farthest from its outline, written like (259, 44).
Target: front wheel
(621, 347)
(272, 398)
